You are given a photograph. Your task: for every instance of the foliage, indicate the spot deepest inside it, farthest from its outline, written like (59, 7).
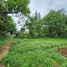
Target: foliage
(55, 20)
(7, 26)
(19, 34)
(10, 25)
(4, 40)
(15, 6)
(29, 25)
(36, 52)
(10, 7)
(54, 24)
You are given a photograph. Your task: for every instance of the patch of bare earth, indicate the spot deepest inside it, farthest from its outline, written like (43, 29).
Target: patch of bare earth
(4, 52)
(63, 51)
(56, 65)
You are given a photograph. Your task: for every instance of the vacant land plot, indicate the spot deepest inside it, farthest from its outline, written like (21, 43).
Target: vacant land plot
(37, 53)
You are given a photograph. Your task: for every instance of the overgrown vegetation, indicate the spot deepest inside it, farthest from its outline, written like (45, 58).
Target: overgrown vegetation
(36, 53)
(10, 7)
(3, 41)
(54, 24)
(39, 51)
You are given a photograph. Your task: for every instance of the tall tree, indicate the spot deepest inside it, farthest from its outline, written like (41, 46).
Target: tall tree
(9, 7)
(55, 20)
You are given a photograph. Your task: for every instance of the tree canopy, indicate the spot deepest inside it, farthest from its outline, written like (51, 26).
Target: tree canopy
(10, 7)
(55, 20)
(54, 24)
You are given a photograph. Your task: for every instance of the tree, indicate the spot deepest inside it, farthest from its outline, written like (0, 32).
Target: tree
(11, 26)
(37, 15)
(35, 27)
(55, 20)
(15, 6)
(9, 7)
(29, 25)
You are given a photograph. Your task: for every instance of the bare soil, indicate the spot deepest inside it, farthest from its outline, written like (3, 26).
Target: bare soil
(5, 51)
(56, 65)
(63, 51)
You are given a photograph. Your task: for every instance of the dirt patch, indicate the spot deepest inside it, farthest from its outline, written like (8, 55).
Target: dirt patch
(2, 65)
(5, 51)
(63, 51)
(56, 65)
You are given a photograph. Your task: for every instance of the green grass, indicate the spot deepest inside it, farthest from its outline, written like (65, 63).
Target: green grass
(36, 53)
(3, 41)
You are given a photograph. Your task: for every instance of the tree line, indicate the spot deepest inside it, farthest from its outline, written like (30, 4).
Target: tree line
(54, 24)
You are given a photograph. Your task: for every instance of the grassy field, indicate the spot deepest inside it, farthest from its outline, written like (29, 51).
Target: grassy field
(36, 53)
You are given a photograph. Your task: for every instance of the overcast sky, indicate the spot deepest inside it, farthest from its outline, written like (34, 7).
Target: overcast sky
(44, 6)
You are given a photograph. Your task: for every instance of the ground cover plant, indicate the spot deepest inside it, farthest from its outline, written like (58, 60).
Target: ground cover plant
(36, 53)
(3, 41)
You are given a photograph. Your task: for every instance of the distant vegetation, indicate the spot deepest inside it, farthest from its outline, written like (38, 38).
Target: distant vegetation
(54, 24)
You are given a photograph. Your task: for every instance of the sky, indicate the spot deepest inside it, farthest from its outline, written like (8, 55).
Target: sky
(44, 6)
